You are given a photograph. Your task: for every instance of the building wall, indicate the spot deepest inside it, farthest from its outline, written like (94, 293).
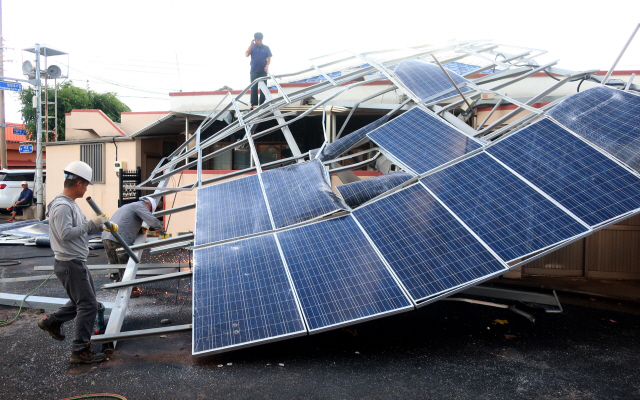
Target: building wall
(89, 124)
(131, 122)
(105, 194)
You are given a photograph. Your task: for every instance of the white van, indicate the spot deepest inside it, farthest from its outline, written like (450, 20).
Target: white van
(10, 186)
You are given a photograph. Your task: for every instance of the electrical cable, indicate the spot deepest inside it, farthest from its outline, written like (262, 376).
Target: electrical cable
(94, 395)
(9, 322)
(4, 260)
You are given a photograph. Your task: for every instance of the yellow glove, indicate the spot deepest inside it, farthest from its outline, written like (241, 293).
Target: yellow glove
(114, 228)
(144, 230)
(164, 235)
(100, 219)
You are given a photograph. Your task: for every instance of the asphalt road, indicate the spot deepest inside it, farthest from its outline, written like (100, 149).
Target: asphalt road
(443, 351)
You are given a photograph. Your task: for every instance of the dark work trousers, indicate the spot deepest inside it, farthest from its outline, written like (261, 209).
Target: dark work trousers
(255, 89)
(83, 306)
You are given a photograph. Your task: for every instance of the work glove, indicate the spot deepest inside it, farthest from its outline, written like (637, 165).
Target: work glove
(144, 230)
(163, 234)
(100, 219)
(114, 228)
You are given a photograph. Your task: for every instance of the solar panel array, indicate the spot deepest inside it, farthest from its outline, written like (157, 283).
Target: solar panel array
(606, 117)
(588, 183)
(456, 227)
(430, 251)
(356, 193)
(230, 210)
(426, 80)
(338, 275)
(422, 142)
(300, 192)
(242, 296)
(506, 213)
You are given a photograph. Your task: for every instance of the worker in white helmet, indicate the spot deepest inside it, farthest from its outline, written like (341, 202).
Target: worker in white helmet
(69, 230)
(131, 218)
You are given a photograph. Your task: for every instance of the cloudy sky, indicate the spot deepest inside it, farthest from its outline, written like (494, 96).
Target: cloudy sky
(142, 50)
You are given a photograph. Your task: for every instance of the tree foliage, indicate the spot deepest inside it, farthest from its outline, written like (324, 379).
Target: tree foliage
(69, 98)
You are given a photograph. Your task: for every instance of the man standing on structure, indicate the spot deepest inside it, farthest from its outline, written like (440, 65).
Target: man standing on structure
(260, 60)
(69, 230)
(24, 201)
(130, 217)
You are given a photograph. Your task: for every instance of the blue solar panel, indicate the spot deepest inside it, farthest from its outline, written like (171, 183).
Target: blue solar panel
(429, 250)
(337, 274)
(608, 118)
(509, 215)
(361, 191)
(426, 79)
(300, 192)
(242, 295)
(422, 142)
(576, 175)
(230, 209)
(335, 149)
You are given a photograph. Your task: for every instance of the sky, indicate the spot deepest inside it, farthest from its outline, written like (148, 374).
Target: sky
(142, 50)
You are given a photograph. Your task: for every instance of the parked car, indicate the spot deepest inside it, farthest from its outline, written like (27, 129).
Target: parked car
(10, 186)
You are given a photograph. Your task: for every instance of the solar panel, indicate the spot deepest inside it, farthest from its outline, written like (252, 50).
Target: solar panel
(231, 209)
(300, 192)
(361, 191)
(589, 184)
(335, 149)
(242, 296)
(608, 118)
(338, 275)
(426, 79)
(505, 212)
(422, 142)
(429, 250)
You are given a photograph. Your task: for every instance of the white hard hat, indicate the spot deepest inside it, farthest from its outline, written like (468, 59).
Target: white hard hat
(78, 169)
(24, 183)
(151, 201)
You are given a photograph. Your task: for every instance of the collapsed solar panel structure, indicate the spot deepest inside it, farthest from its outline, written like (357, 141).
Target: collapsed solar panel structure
(279, 254)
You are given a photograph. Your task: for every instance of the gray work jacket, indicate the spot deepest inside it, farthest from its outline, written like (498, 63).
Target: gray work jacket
(129, 219)
(69, 229)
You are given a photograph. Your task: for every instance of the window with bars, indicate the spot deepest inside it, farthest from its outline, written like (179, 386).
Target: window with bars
(93, 154)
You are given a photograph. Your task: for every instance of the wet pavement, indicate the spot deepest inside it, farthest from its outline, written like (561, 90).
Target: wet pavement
(444, 350)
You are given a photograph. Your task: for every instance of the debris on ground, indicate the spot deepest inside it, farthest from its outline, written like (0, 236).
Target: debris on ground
(165, 321)
(500, 321)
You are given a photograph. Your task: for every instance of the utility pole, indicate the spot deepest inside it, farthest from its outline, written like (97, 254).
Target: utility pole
(3, 126)
(39, 190)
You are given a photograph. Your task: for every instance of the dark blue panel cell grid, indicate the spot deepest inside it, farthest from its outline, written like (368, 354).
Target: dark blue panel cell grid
(430, 251)
(338, 275)
(509, 215)
(242, 295)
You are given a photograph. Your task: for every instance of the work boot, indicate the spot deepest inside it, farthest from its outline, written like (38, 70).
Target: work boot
(87, 356)
(135, 292)
(54, 329)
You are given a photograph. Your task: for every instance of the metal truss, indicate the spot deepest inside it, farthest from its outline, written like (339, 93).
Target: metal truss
(369, 67)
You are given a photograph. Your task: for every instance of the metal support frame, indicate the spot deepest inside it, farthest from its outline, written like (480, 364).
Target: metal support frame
(271, 109)
(606, 77)
(46, 303)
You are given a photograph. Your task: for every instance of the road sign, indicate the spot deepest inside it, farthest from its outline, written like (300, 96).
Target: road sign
(26, 148)
(19, 131)
(14, 87)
